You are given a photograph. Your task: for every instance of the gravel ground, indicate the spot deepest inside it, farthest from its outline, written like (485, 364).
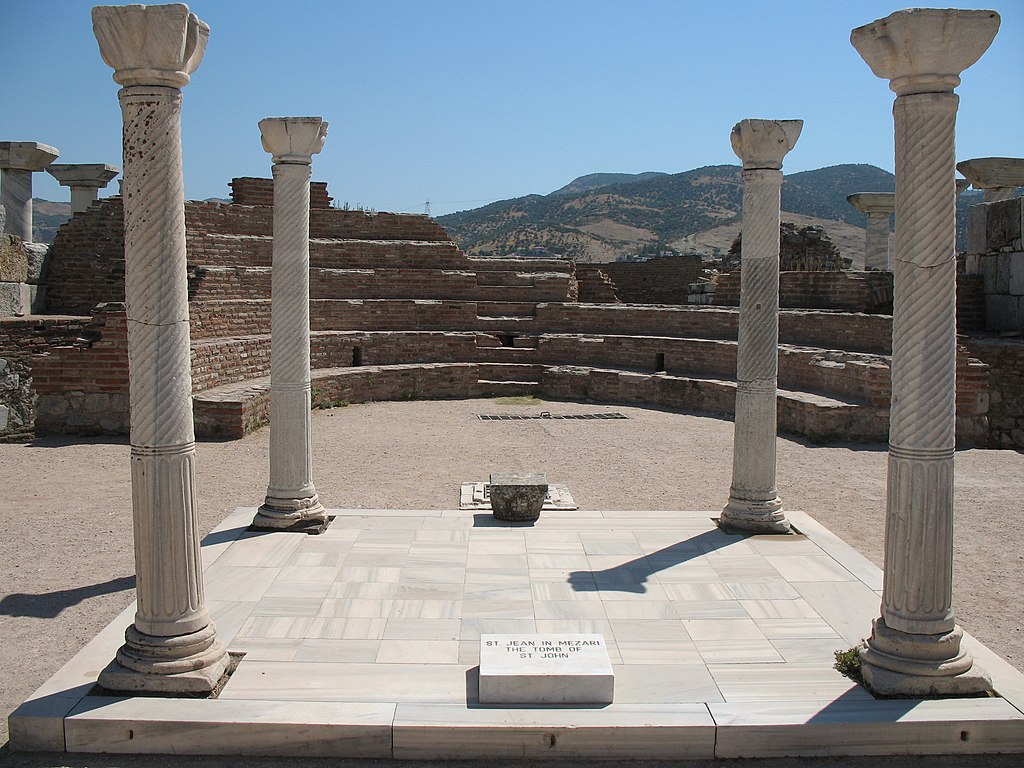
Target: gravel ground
(66, 563)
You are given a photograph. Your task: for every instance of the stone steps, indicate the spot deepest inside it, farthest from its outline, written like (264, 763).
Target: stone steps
(232, 410)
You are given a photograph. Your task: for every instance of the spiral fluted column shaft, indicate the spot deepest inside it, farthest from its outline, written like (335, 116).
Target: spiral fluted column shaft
(753, 498)
(915, 648)
(291, 496)
(170, 582)
(919, 544)
(291, 500)
(876, 243)
(172, 646)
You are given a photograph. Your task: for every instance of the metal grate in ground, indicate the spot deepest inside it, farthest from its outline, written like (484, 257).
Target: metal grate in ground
(549, 415)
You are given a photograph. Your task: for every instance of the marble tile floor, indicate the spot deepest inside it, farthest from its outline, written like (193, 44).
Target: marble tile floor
(364, 642)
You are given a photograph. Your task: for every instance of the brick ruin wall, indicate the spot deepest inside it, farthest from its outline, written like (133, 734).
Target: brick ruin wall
(246, 190)
(398, 255)
(20, 340)
(664, 280)
(869, 292)
(1005, 358)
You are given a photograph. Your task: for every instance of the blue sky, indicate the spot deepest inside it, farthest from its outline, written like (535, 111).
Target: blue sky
(462, 102)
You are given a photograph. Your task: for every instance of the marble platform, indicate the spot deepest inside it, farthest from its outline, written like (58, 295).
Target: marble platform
(364, 642)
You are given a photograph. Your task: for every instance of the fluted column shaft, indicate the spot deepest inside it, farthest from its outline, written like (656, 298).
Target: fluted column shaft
(156, 295)
(291, 452)
(291, 500)
(876, 245)
(757, 352)
(754, 503)
(918, 590)
(291, 495)
(172, 646)
(915, 648)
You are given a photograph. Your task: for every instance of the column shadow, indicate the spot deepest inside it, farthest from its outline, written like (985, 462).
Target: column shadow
(632, 576)
(47, 605)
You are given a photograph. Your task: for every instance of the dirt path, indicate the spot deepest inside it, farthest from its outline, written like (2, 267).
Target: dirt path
(67, 563)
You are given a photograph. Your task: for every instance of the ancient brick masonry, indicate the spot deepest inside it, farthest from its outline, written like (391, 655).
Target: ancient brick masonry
(401, 312)
(869, 292)
(20, 340)
(663, 280)
(247, 190)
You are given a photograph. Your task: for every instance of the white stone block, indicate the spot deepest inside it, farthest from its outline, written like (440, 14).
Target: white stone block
(545, 669)
(977, 238)
(1015, 278)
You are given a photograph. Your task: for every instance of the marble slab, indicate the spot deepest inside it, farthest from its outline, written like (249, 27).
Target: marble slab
(624, 732)
(365, 641)
(220, 727)
(866, 726)
(545, 669)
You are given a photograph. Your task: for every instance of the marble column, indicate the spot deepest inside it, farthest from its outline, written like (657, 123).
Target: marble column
(754, 503)
(291, 502)
(914, 648)
(999, 177)
(18, 161)
(172, 647)
(879, 207)
(85, 180)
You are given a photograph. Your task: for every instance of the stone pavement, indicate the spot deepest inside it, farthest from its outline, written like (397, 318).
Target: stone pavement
(364, 642)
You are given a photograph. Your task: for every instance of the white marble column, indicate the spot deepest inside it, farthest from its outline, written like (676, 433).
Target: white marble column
(754, 503)
(879, 207)
(85, 179)
(291, 502)
(172, 646)
(914, 648)
(18, 161)
(999, 177)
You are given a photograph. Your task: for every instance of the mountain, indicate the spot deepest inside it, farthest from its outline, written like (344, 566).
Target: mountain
(695, 211)
(47, 218)
(596, 180)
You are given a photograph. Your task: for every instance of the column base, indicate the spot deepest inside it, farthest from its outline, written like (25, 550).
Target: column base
(895, 663)
(754, 516)
(182, 664)
(291, 515)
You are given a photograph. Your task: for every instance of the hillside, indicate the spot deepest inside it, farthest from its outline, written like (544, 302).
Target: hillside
(695, 211)
(596, 180)
(47, 218)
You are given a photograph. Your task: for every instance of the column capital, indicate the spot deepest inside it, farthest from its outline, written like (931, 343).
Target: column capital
(761, 144)
(150, 44)
(26, 155)
(993, 172)
(293, 139)
(924, 50)
(873, 202)
(96, 175)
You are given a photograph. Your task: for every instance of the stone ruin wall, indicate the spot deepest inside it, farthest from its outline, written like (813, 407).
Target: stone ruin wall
(995, 257)
(20, 340)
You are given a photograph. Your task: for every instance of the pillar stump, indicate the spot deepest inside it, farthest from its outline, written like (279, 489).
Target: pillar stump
(172, 647)
(18, 161)
(754, 503)
(879, 207)
(291, 502)
(914, 648)
(85, 179)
